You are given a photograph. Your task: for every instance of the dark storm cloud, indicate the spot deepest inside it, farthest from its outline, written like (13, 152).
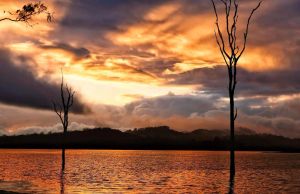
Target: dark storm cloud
(270, 83)
(166, 106)
(88, 22)
(91, 20)
(260, 106)
(110, 15)
(211, 78)
(91, 17)
(277, 33)
(287, 15)
(273, 82)
(159, 65)
(20, 87)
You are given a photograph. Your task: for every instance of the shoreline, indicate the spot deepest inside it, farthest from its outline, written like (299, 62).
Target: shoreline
(9, 192)
(116, 149)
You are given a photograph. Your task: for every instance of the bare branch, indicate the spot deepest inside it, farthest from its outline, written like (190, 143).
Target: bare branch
(236, 114)
(72, 99)
(68, 94)
(63, 111)
(58, 111)
(247, 30)
(220, 47)
(62, 93)
(227, 9)
(8, 19)
(219, 31)
(233, 29)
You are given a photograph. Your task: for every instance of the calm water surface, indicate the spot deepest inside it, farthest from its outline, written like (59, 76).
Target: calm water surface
(116, 171)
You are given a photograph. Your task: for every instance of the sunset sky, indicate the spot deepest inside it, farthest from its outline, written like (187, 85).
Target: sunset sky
(139, 63)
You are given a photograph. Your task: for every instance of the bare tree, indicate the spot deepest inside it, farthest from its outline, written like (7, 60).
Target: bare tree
(62, 110)
(27, 12)
(231, 54)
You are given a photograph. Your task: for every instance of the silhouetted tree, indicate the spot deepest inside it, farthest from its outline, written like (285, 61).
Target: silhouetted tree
(231, 54)
(62, 110)
(28, 11)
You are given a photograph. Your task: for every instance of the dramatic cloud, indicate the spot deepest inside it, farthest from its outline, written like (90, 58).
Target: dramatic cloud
(191, 112)
(21, 120)
(19, 86)
(171, 104)
(184, 113)
(124, 56)
(79, 52)
(213, 80)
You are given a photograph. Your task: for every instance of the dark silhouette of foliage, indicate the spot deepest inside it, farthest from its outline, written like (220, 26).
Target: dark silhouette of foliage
(160, 138)
(28, 11)
(231, 54)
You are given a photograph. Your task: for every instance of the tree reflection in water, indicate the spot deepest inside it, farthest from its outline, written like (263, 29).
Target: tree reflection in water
(62, 180)
(231, 184)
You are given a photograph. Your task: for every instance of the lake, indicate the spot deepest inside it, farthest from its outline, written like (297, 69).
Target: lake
(138, 171)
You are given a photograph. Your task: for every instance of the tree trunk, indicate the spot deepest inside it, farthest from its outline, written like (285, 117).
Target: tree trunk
(63, 160)
(232, 141)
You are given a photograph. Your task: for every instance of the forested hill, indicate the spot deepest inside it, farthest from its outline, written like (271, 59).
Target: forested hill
(153, 138)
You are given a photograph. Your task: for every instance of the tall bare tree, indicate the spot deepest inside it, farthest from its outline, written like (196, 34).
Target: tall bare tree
(231, 53)
(27, 12)
(62, 111)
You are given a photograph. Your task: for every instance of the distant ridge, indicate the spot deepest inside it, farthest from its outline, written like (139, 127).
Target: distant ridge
(153, 138)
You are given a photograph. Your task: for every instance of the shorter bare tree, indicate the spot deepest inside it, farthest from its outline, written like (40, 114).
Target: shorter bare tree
(62, 110)
(27, 12)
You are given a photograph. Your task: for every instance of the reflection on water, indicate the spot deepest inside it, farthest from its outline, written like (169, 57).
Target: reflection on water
(62, 179)
(107, 171)
(62, 171)
(231, 184)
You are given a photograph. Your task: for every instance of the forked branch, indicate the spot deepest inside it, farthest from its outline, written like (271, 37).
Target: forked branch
(231, 6)
(247, 30)
(66, 102)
